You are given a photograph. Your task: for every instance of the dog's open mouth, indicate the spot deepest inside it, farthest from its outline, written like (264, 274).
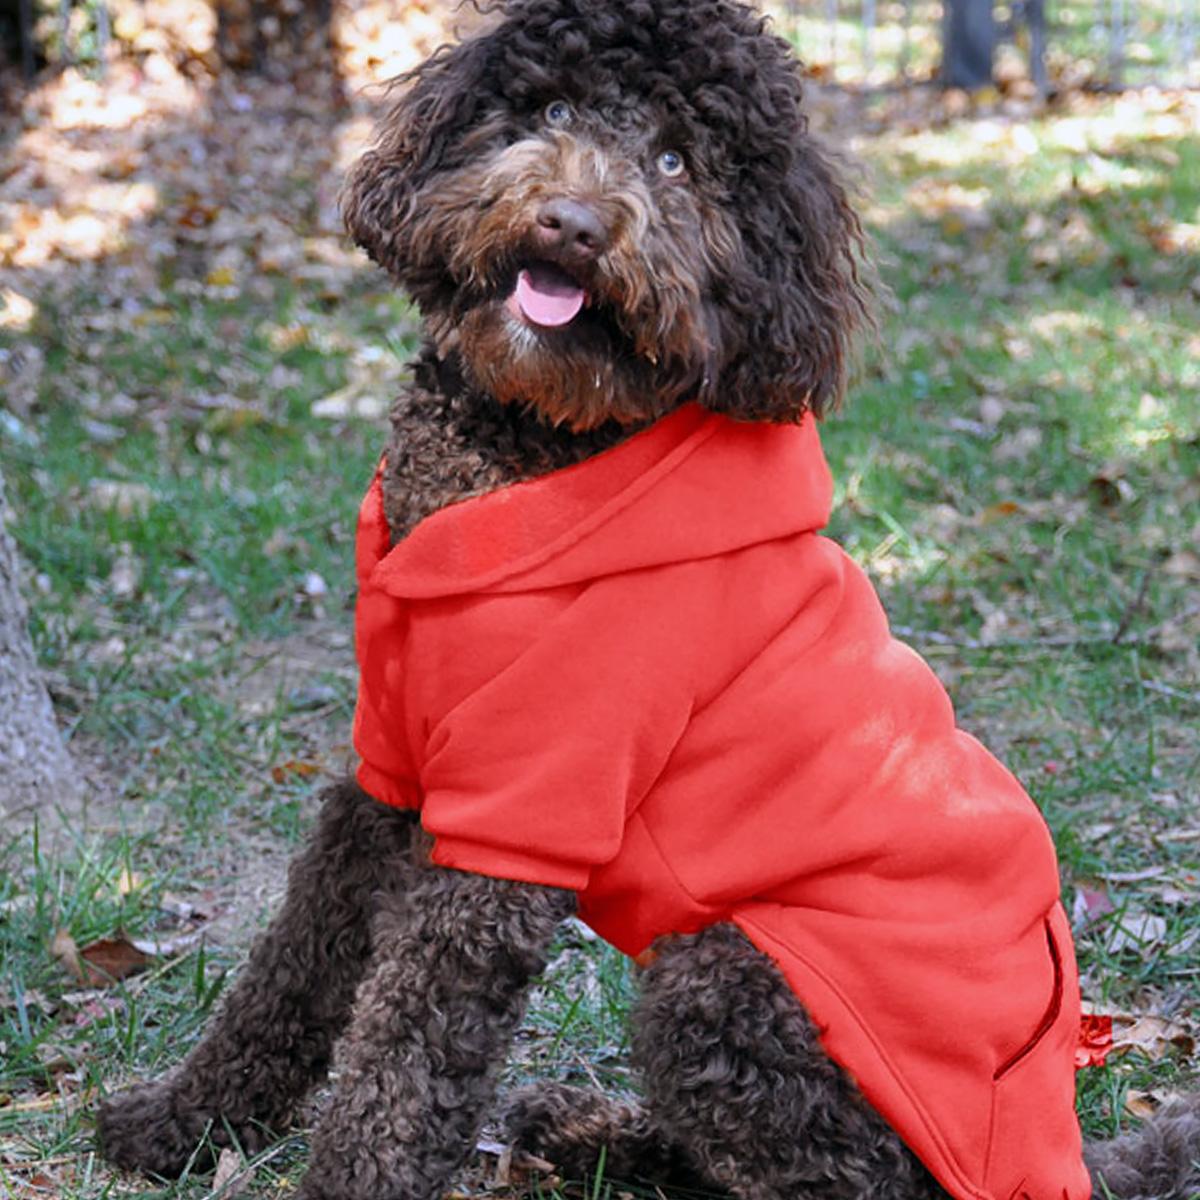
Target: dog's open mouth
(546, 295)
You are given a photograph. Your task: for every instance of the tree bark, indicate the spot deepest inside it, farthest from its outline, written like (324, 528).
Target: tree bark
(35, 768)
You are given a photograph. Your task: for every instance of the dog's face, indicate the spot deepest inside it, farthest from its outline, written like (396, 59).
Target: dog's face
(605, 208)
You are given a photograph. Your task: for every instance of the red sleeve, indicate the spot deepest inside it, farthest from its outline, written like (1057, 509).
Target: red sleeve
(534, 774)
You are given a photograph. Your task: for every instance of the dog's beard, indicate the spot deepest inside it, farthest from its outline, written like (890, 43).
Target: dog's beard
(580, 373)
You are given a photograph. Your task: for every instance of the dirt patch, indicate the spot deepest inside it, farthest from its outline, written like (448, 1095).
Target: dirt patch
(300, 688)
(313, 675)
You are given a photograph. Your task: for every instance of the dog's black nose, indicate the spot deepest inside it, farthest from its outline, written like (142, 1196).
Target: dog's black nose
(571, 229)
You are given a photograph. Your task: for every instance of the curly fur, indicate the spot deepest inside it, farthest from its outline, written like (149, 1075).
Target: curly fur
(738, 1092)
(424, 971)
(570, 1126)
(275, 1033)
(448, 443)
(1162, 1159)
(736, 283)
(733, 1066)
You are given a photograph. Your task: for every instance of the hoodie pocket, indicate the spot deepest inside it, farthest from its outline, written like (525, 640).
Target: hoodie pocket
(1034, 1145)
(1053, 1008)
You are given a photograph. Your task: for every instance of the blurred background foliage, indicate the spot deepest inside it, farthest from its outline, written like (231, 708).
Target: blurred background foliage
(195, 369)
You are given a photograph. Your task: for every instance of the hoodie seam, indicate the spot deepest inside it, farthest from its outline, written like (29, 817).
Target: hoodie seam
(609, 509)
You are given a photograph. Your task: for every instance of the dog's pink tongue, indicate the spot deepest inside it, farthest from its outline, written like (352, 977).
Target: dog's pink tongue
(548, 296)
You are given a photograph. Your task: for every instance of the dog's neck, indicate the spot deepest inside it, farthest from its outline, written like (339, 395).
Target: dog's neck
(449, 442)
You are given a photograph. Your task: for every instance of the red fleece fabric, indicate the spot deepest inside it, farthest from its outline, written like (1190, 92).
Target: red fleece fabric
(647, 678)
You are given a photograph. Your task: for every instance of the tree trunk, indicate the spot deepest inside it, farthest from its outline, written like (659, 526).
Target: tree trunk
(285, 40)
(35, 769)
(968, 44)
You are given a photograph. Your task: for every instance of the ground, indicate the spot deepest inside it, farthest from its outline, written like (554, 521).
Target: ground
(195, 368)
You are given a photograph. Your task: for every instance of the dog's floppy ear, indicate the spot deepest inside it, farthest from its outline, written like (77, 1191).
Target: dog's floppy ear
(795, 309)
(439, 101)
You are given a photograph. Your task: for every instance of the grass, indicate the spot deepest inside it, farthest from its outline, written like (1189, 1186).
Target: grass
(1021, 473)
(1019, 469)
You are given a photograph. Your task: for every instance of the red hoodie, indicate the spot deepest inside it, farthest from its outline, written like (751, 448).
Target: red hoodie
(647, 678)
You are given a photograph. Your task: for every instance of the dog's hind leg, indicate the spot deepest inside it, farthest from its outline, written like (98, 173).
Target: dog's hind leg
(272, 1039)
(739, 1094)
(736, 1078)
(453, 957)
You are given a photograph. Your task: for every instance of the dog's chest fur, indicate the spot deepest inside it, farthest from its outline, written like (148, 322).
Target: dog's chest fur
(448, 443)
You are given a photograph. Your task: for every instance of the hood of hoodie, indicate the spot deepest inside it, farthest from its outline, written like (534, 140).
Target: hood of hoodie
(693, 485)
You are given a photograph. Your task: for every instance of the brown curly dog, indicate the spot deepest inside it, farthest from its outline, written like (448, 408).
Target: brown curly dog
(613, 218)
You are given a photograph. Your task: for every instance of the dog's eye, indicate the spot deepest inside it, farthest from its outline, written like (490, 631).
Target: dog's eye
(559, 113)
(671, 164)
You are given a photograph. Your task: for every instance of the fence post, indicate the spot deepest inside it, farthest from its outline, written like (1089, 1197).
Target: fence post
(25, 32)
(906, 42)
(64, 31)
(103, 35)
(868, 39)
(1035, 17)
(1116, 43)
(1187, 46)
(968, 43)
(831, 20)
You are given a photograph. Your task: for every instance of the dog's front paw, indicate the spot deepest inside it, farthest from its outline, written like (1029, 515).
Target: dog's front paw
(571, 1127)
(140, 1130)
(568, 1126)
(533, 1117)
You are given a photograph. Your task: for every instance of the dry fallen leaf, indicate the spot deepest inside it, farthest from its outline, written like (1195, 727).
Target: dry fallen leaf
(502, 1176)
(177, 906)
(1183, 564)
(1153, 1036)
(94, 1006)
(992, 410)
(229, 1165)
(1135, 876)
(1091, 902)
(199, 908)
(101, 963)
(284, 771)
(1110, 488)
(129, 882)
(1142, 1104)
(1136, 931)
(994, 627)
(37, 1184)
(120, 496)
(126, 575)
(28, 998)
(1018, 445)
(1175, 895)
(314, 585)
(520, 1160)
(315, 695)
(996, 512)
(112, 959)
(171, 946)
(64, 950)
(16, 311)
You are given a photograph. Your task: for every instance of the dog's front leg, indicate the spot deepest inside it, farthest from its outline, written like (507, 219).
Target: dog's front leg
(273, 1037)
(453, 957)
